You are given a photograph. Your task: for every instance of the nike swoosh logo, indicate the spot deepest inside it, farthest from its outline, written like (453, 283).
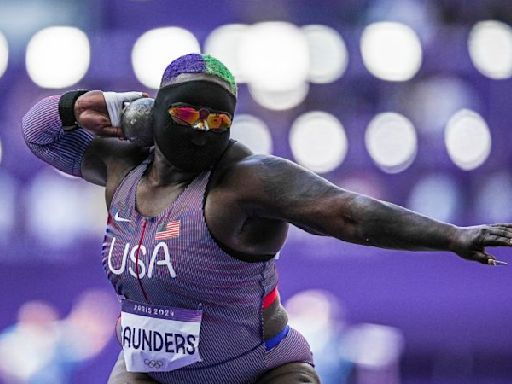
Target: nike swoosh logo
(121, 219)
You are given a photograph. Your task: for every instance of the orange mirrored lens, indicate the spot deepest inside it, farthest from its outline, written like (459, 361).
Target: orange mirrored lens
(218, 121)
(187, 115)
(191, 116)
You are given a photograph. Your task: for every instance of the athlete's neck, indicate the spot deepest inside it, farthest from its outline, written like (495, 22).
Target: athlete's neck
(162, 173)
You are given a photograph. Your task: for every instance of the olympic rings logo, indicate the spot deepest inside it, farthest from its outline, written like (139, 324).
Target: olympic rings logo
(155, 364)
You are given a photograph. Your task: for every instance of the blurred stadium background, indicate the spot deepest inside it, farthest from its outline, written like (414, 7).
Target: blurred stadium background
(404, 100)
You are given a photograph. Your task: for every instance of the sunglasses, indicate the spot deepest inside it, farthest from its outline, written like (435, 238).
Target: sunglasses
(200, 118)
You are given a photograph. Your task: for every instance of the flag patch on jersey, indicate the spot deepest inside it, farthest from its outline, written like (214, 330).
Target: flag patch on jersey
(168, 231)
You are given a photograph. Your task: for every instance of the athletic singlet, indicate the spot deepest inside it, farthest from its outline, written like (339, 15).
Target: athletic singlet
(180, 265)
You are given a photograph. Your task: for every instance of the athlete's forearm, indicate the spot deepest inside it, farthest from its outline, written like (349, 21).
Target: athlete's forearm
(387, 225)
(46, 138)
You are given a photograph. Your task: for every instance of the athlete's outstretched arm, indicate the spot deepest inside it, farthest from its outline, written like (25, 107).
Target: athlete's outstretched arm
(63, 130)
(276, 188)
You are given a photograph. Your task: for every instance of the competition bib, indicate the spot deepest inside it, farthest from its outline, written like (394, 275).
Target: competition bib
(157, 338)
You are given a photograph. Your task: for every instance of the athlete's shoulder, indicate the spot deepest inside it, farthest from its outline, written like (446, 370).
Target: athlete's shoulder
(247, 171)
(236, 151)
(261, 165)
(240, 157)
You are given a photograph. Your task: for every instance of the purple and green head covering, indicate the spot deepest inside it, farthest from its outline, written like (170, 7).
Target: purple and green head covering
(200, 64)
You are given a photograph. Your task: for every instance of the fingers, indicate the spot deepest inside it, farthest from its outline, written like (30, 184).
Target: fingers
(482, 236)
(495, 236)
(100, 125)
(501, 229)
(491, 260)
(496, 240)
(93, 121)
(504, 225)
(482, 257)
(495, 262)
(109, 131)
(498, 231)
(488, 259)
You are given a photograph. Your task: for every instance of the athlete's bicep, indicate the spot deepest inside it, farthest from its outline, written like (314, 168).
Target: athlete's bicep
(280, 189)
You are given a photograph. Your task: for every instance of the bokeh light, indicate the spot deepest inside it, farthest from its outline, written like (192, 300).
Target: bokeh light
(58, 57)
(65, 199)
(8, 213)
(224, 44)
(467, 139)
(274, 56)
(391, 141)
(155, 49)
(435, 195)
(318, 141)
(317, 314)
(328, 54)
(279, 100)
(253, 132)
(4, 54)
(391, 51)
(493, 198)
(431, 112)
(490, 48)
(374, 346)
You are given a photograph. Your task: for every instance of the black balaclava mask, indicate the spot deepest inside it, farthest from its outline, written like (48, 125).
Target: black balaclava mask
(183, 146)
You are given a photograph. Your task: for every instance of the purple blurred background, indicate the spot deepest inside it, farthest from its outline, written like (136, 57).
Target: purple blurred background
(414, 110)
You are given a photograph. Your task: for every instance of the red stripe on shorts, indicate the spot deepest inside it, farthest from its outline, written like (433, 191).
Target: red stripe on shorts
(269, 299)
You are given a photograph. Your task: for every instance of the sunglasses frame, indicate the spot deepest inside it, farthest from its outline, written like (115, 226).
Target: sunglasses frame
(200, 120)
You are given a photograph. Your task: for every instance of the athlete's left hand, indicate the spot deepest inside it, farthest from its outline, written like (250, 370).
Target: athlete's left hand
(470, 242)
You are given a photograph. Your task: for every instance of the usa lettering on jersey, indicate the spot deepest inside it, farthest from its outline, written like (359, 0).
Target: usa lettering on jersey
(160, 257)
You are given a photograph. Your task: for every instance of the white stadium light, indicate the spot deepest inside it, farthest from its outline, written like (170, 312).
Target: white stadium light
(467, 139)
(391, 51)
(490, 48)
(391, 142)
(274, 56)
(155, 49)
(223, 43)
(279, 100)
(253, 132)
(4, 54)
(328, 54)
(318, 141)
(57, 57)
